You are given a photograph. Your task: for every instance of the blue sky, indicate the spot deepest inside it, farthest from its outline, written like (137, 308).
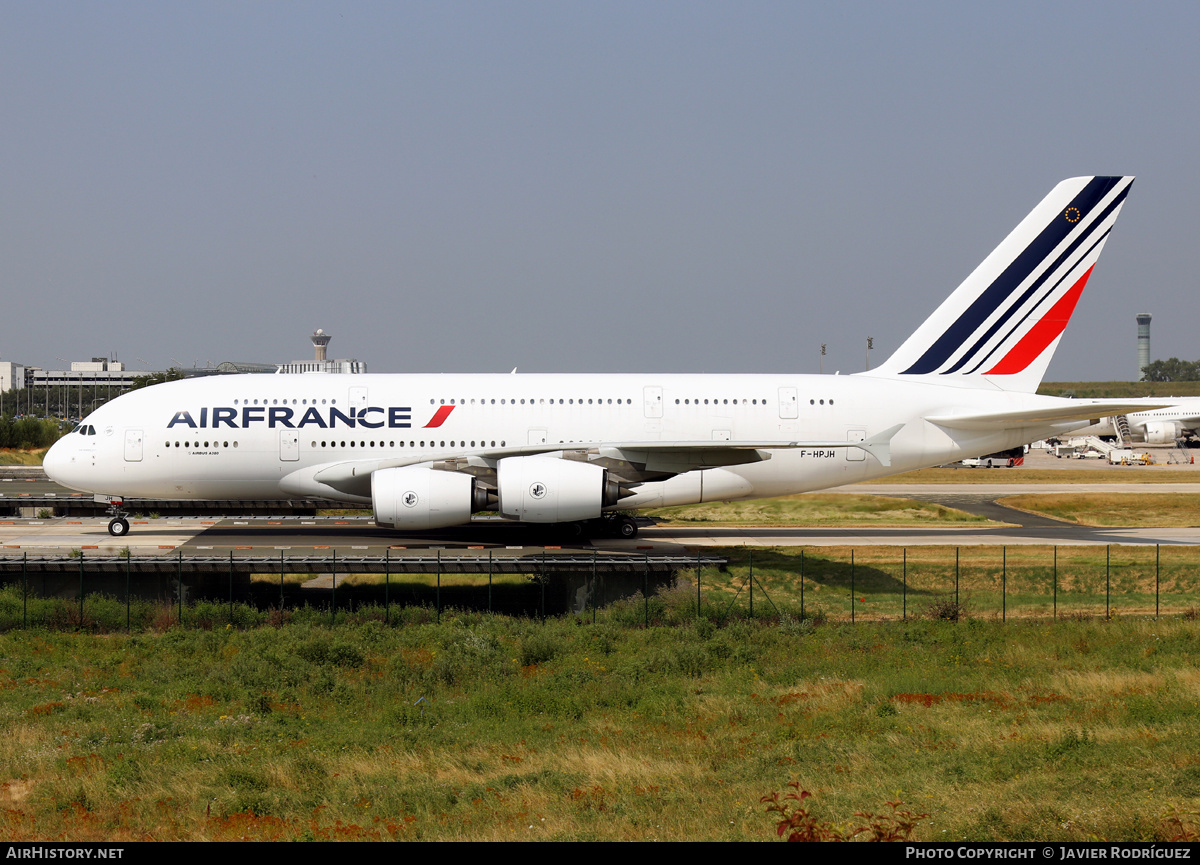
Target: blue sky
(709, 187)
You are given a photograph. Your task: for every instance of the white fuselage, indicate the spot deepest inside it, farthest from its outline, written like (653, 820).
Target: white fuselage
(239, 437)
(1160, 425)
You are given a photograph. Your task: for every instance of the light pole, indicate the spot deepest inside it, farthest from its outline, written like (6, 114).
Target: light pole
(822, 357)
(62, 392)
(870, 345)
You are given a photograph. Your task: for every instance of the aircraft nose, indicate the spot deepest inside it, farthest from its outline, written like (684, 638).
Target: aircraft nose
(57, 462)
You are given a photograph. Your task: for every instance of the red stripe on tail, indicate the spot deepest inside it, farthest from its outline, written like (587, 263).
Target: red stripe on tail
(1043, 333)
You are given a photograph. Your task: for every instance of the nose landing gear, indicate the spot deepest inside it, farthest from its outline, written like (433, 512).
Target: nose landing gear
(118, 526)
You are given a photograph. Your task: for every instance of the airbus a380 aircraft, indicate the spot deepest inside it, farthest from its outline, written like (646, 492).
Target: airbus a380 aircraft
(426, 451)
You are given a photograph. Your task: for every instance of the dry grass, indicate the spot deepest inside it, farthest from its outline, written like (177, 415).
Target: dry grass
(1158, 510)
(1116, 475)
(810, 509)
(13, 457)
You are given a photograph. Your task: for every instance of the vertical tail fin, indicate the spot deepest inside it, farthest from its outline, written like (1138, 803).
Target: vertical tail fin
(1001, 326)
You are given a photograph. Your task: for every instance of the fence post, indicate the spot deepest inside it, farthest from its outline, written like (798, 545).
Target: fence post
(179, 581)
(645, 590)
(387, 586)
(25, 589)
(1056, 583)
(127, 568)
(1107, 601)
(231, 587)
(543, 582)
(281, 567)
(81, 588)
(333, 594)
(752, 584)
(439, 586)
(802, 584)
(1156, 572)
(490, 578)
(1004, 584)
(697, 583)
(852, 587)
(956, 583)
(592, 593)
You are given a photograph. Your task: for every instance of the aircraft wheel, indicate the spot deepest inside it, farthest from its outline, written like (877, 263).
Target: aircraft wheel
(118, 527)
(627, 529)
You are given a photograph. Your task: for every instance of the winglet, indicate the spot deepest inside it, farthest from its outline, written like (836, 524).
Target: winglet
(880, 444)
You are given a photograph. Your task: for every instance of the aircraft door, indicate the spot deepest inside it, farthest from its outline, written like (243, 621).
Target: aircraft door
(133, 445)
(653, 399)
(855, 435)
(289, 444)
(358, 398)
(789, 402)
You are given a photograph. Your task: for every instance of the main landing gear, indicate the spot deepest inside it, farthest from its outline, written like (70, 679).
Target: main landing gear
(609, 525)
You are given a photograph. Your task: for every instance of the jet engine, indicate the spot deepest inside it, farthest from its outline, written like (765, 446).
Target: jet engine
(542, 489)
(416, 497)
(1161, 432)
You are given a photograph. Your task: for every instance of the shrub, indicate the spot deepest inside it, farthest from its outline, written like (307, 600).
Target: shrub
(800, 824)
(946, 610)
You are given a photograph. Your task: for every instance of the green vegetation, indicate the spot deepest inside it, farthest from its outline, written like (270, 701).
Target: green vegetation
(820, 509)
(1172, 369)
(491, 728)
(1119, 389)
(1016, 582)
(28, 432)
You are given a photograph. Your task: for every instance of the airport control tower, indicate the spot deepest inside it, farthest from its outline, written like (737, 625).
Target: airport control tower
(320, 339)
(1143, 322)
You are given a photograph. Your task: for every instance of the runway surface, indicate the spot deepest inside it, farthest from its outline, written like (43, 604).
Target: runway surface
(303, 536)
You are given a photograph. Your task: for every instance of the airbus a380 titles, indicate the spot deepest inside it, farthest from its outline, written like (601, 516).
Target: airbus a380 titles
(427, 451)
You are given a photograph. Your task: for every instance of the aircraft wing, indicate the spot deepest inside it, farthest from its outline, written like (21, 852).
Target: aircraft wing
(632, 462)
(1092, 410)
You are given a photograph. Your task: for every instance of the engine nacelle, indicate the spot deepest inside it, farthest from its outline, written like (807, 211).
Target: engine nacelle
(415, 497)
(550, 490)
(1161, 432)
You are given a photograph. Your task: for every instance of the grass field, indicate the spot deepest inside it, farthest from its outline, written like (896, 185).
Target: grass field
(816, 509)
(11, 457)
(1162, 510)
(489, 728)
(1116, 475)
(882, 583)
